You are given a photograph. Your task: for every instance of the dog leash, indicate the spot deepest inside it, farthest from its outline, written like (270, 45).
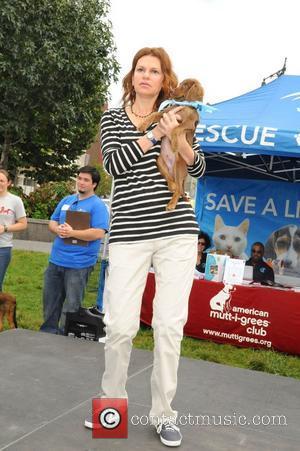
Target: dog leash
(199, 106)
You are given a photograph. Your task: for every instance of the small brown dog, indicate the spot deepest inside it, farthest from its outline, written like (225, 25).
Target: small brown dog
(170, 163)
(8, 308)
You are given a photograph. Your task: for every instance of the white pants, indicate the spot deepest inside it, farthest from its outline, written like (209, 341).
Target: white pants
(174, 262)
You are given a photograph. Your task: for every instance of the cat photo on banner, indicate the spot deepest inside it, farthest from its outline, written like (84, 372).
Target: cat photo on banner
(231, 239)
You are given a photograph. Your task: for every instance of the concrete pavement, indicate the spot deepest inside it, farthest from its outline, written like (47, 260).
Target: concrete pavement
(47, 383)
(38, 246)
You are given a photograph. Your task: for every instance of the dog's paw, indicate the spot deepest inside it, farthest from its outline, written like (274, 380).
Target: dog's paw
(172, 187)
(171, 206)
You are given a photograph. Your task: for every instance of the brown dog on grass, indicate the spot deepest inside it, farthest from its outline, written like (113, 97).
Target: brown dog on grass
(170, 163)
(8, 308)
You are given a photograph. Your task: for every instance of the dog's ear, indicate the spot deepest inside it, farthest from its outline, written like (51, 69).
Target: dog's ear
(279, 232)
(195, 91)
(269, 247)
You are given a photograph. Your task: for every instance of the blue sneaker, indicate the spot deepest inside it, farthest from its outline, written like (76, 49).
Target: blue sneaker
(169, 433)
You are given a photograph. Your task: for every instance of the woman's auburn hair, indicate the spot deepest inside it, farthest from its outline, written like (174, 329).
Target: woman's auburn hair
(170, 79)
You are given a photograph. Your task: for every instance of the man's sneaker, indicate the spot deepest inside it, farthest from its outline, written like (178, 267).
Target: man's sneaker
(95, 311)
(169, 433)
(88, 422)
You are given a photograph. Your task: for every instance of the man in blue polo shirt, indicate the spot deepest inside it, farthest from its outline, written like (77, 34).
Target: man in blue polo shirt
(70, 263)
(262, 272)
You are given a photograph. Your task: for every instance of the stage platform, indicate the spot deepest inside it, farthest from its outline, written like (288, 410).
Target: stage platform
(47, 383)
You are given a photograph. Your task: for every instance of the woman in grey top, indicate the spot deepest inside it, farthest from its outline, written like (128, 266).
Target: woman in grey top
(12, 219)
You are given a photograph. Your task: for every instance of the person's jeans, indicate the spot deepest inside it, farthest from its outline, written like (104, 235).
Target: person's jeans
(5, 257)
(63, 292)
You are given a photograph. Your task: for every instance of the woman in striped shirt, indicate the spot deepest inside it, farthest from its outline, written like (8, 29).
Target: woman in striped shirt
(143, 233)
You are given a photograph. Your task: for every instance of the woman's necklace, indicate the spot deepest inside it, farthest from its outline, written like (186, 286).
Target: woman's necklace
(140, 116)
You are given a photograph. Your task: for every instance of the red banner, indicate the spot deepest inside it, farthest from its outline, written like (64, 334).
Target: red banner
(249, 316)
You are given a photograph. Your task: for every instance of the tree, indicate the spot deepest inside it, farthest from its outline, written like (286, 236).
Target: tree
(57, 60)
(104, 187)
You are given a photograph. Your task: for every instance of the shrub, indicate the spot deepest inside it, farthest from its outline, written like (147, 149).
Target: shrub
(104, 186)
(41, 203)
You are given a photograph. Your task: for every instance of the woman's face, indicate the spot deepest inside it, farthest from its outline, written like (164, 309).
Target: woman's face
(4, 183)
(201, 245)
(147, 78)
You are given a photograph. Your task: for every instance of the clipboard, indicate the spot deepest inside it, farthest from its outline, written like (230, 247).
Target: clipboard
(78, 220)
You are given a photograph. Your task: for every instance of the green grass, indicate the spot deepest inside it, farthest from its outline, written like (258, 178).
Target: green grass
(254, 359)
(25, 280)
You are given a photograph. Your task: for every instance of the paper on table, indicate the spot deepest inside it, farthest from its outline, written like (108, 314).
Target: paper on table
(234, 271)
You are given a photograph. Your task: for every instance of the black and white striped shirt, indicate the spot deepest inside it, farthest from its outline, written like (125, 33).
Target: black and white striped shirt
(141, 193)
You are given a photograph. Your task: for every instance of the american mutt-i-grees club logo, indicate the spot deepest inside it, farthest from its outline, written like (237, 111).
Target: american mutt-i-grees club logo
(255, 322)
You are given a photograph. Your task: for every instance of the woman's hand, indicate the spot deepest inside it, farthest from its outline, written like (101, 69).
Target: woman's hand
(169, 121)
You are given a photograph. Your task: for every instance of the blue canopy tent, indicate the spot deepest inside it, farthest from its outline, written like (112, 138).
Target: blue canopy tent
(256, 134)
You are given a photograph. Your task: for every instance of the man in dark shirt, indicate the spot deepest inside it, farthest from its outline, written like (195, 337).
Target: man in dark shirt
(261, 270)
